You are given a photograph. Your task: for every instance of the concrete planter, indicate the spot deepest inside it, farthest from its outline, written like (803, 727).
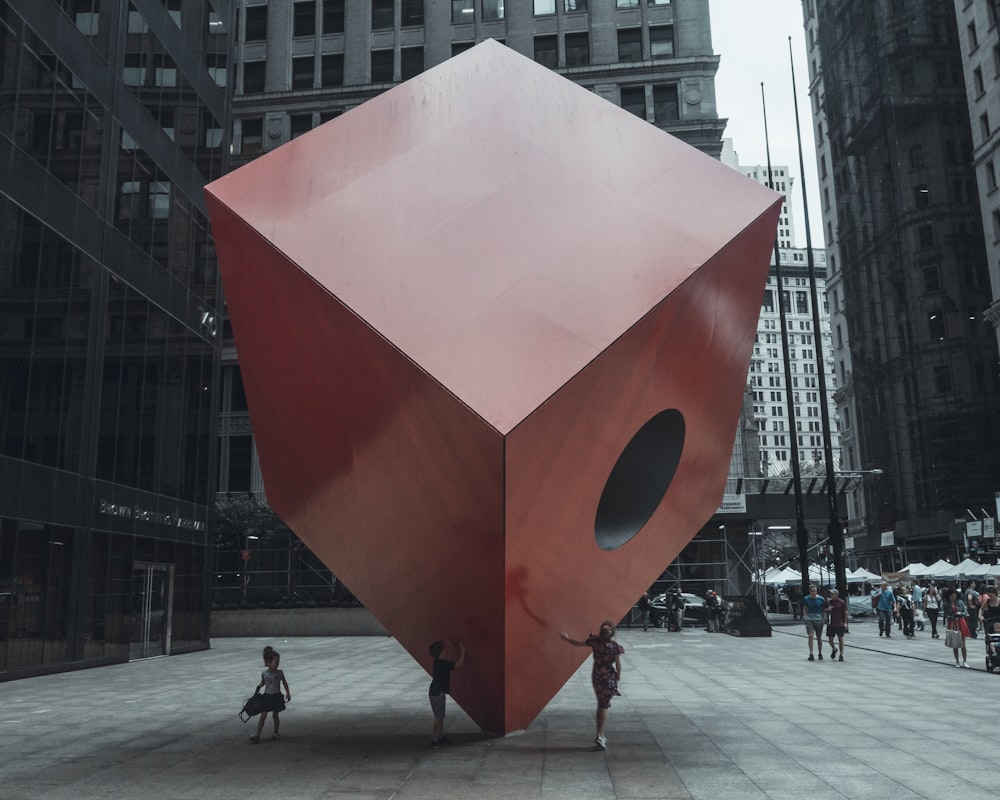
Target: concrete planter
(276, 622)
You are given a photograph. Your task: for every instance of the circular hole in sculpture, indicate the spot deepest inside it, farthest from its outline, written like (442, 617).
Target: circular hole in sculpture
(639, 479)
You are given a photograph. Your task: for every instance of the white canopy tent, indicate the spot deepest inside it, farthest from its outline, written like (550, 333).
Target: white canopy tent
(862, 575)
(938, 569)
(917, 569)
(967, 568)
(779, 577)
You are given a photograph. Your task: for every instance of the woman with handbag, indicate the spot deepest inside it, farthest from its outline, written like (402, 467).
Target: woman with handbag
(956, 628)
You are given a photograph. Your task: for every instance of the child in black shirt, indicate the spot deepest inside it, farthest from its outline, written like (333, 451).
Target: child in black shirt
(441, 686)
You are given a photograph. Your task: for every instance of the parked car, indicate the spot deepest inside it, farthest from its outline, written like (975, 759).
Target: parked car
(695, 612)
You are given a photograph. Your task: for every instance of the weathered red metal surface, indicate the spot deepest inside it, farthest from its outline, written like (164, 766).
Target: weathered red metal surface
(454, 307)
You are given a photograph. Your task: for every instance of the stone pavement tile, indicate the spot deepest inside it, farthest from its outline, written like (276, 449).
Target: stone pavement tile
(828, 793)
(340, 794)
(875, 787)
(978, 779)
(649, 787)
(728, 793)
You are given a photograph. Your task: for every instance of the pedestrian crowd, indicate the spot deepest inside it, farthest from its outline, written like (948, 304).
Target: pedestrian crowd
(964, 613)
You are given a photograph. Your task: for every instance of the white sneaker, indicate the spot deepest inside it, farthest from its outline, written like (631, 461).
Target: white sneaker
(966, 665)
(601, 742)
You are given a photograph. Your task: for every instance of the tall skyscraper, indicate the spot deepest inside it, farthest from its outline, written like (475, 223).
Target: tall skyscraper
(113, 116)
(919, 392)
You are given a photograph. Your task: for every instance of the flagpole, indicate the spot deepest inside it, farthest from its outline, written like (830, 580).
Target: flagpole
(835, 529)
(801, 532)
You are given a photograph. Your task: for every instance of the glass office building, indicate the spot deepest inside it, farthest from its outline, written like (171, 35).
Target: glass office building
(113, 117)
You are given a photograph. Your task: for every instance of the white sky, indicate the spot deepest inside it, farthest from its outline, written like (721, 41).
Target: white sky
(751, 37)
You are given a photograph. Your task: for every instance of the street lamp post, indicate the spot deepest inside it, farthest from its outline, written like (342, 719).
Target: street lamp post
(758, 572)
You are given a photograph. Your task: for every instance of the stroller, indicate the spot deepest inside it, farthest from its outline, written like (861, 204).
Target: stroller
(992, 631)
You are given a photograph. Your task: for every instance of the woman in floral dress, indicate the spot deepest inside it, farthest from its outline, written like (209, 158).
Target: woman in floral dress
(606, 673)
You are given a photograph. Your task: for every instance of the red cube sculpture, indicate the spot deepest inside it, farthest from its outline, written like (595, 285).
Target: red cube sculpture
(494, 333)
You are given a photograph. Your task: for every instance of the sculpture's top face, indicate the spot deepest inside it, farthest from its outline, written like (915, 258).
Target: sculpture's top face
(490, 217)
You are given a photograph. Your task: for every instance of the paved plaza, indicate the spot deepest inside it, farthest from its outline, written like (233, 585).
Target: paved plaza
(702, 716)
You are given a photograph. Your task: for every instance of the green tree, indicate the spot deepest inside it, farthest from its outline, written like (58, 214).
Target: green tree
(238, 516)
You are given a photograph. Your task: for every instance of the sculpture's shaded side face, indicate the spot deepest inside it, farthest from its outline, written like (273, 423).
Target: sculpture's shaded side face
(486, 414)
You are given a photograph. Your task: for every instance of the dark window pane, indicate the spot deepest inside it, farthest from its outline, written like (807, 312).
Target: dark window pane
(256, 23)
(665, 105)
(661, 41)
(253, 136)
(630, 44)
(302, 72)
(333, 70)
(634, 100)
(462, 11)
(333, 16)
(547, 51)
(381, 66)
(382, 14)
(412, 12)
(253, 77)
(411, 62)
(577, 49)
(300, 123)
(304, 23)
(240, 460)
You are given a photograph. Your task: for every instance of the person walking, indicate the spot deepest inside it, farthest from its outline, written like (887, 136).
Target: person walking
(905, 605)
(972, 601)
(932, 607)
(875, 592)
(606, 672)
(644, 605)
(917, 595)
(677, 605)
(989, 608)
(272, 679)
(886, 608)
(836, 623)
(440, 686)
(814, 613)
(714, 608)
(955, 613)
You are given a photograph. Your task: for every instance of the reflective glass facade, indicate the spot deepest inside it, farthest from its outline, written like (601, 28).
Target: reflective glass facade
(113, 117)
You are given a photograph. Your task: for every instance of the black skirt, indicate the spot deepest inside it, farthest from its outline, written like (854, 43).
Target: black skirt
(272, 702)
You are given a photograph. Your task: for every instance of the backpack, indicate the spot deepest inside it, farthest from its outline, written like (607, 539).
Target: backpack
(251, 707)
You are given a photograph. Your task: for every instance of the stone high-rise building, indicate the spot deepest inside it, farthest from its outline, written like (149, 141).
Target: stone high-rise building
(916, 361)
